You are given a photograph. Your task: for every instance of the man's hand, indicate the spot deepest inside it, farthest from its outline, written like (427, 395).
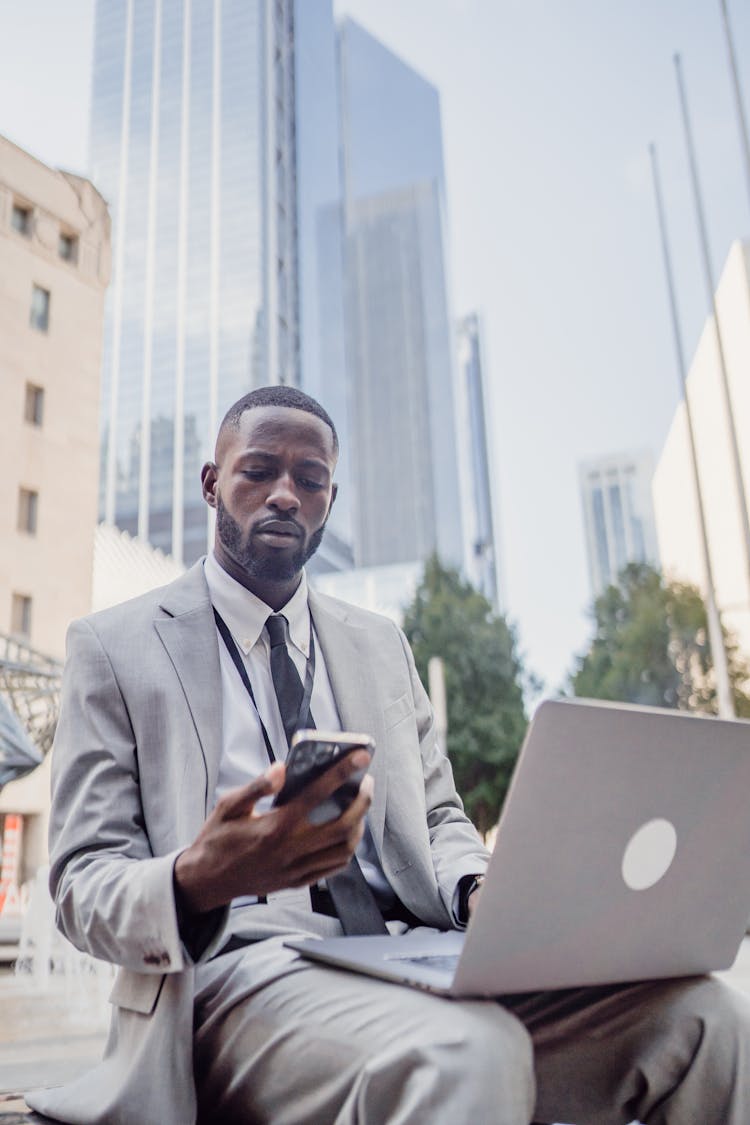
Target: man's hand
(240, 851)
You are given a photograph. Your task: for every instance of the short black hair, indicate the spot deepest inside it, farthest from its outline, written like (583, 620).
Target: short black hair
(278, 395)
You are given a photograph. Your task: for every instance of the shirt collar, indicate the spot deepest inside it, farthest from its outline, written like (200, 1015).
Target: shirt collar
(245, 614)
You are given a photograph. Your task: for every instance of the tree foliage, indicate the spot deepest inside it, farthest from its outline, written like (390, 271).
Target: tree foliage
(483, 680)
(651, 646)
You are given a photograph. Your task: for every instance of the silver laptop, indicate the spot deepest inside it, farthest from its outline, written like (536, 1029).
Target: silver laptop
(622, 853)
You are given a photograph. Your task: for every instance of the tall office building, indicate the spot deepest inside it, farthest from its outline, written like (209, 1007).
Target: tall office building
(192, 144)
(481, 557)
(321, 309)
(399, 357)
(618, 515)
(317, 134)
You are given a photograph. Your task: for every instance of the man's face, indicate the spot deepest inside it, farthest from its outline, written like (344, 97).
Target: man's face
(272, 487)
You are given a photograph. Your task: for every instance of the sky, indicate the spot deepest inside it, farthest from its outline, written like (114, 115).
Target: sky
(548, 109)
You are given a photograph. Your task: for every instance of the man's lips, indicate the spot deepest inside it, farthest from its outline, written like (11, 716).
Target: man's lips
(278, 533)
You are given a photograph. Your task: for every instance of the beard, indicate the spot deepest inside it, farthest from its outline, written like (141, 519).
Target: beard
(268, 567)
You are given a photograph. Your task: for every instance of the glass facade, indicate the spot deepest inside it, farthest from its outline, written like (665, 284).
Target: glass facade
(323, 369)
(398, 330)
(192, 144)
(482, 557)
(391, 126)
(618, 515)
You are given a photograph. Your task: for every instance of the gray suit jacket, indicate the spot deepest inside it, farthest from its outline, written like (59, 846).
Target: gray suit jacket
(135, 763)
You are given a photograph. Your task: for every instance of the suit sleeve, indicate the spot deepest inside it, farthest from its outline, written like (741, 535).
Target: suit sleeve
(114, 898)
(455, 844)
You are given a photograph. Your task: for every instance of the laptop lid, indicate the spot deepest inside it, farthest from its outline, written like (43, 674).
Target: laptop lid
(622, 853)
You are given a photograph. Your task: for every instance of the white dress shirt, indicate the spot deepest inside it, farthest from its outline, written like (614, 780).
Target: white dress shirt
(243, 754)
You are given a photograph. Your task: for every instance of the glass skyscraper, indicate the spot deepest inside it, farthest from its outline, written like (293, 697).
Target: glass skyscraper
(398, 368)
(317, 132)
(482, 562)
(193, 146)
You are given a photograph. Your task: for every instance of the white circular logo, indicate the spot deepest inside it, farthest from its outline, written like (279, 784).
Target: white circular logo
(649, 854)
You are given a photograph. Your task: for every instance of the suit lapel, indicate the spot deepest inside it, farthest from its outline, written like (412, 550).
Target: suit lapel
(188, 633)
(346, 658)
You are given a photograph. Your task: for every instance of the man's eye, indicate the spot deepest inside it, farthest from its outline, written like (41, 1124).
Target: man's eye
(311, 485)
(255, 474)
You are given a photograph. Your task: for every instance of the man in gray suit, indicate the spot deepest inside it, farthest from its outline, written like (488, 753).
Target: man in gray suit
(168, 861)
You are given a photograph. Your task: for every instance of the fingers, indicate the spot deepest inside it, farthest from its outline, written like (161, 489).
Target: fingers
(241, 851)
(367, 788)
(241, 801)
(358, 808)
(311, 868)
(334, 777)
(315, 851)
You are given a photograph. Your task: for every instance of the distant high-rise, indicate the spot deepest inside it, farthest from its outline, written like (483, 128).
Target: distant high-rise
(399, 358)
(481, 561)
(319, 193)
(618, 515)
(192, 144)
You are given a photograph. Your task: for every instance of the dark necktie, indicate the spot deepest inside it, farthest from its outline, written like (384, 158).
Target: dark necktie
(351, 895)
(286, 681)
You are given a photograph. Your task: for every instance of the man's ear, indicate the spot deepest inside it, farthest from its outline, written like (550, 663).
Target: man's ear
(334, 494)
(209, 475)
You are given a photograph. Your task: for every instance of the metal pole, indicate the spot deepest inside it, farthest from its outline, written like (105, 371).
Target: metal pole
(733, 443)
(436, 688)
(744, 141)
(715, 632)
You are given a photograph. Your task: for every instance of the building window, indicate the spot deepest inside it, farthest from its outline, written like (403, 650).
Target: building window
(20, 219)
(33, 410)
(67, 247)
(20, 615)
(28, 504)
(40, 309)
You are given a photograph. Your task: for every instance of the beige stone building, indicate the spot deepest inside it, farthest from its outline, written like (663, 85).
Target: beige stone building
(54, 270)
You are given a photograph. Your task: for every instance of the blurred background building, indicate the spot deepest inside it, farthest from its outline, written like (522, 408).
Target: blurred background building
(378, 341)
(618, 515)
(320, 263)
(381, 589)
(399, 349)
(675, 499)
(481, 556)
(54, 270)
(192, 144)
(278, 200)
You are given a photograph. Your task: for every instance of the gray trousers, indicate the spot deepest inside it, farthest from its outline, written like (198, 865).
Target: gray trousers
(307, 1045)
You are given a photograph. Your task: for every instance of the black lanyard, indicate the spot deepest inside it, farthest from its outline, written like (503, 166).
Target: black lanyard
(304, 719)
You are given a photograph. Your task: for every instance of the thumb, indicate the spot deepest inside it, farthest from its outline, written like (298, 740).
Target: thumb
(241, 801)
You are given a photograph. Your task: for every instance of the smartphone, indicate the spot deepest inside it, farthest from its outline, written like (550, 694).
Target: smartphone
(311, 753)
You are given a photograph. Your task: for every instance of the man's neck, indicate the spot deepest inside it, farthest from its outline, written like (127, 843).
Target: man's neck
(275, 593)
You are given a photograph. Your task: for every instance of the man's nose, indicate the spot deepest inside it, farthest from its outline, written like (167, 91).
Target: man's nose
(283, 495)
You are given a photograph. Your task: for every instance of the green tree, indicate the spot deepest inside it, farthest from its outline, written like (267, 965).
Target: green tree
(484, 679)
(650, 646)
